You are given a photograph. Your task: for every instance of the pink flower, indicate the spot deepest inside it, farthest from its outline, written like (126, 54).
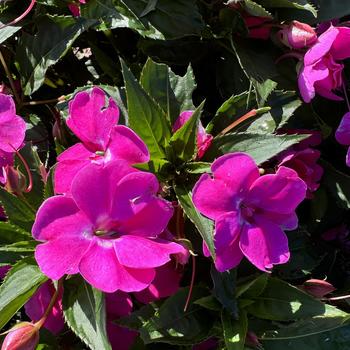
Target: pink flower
(322, 72)
(12, 132)
(342, 134)
(165, 284)
(250, 211)
(23, 336)
(109, 225)
(95, 124)
(75, 7)
(4, 270)
(38, 303)
(203, 139)
(298, 35)
(303, 160)
(317, 288)
(119, 304)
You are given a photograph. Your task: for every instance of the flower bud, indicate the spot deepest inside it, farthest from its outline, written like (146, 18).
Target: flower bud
(252, 340)
(298, 35)
(23, 336)
(16, 181)
(317, 288)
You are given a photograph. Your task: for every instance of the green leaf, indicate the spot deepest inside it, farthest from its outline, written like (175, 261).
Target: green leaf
(18, 211)
(19, 247)
(172, 18)
(235, 331)
(84, 312)
(253, 287)
(198, 167)
(170, 323)
(183, 143)
(151, 6)
(255, 9)
(7, 32)
(146, 117)
(35, 54)
(10, 233)
(203, 225)
(224, 289)
(281, 301)
(19, 285)
(258, 146)
(296, 4)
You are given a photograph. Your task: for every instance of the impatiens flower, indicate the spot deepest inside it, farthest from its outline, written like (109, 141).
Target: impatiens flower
(322, 70)
(250, 211)
(303, 160)
(12, 132)
(119, 304)
(298, 35)
(111, 222)
(203, 139)
(102, 140)
(75, 7)
(4, 270)
(38, 303)
(342, 134)
(165, 283)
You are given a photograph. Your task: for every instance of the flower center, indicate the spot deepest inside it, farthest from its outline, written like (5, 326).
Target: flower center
(247, 212)
(106, 234)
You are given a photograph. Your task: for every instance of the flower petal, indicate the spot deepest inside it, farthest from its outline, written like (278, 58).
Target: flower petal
(343, 132)
(101, 268)
(264, 244)
(281, 192)
(127, 145)
(142, 253)
(91, 120)
(340, 49)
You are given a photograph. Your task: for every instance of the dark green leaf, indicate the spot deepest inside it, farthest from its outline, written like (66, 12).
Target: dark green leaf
(234, 330)
(296, 4)
(19, 285)
(260, 147)
(19, 247)
(255, 9)
(253, 287)
(198, 167)
(11, 233)
(146, 118)
(203, 225)
(84, 312)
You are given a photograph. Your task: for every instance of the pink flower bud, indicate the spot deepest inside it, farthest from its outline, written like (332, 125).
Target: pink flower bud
(23, 336)
(252, 340)
(298, 35)
(317, 288)
(16, 181)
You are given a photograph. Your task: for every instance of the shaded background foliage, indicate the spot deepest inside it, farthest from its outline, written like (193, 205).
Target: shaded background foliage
(199, 51)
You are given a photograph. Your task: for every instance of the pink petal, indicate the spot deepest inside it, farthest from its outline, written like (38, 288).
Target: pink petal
(182, 119)
(134, 191)
(322, 46)
(121, 338)
(165, 284)
(118, 304)
(212, 197)
(142, 253)
(343, 132)
(101, 268)
(340, 49)
(226, 241)
(285, 221)
(281, 192)
(53, 209)
(12, 127)
(74, 153)
(91, 119)
(264, 244)
(93, 189)
(127, 145)
(38, 303)
(62, 255)
(143, 222)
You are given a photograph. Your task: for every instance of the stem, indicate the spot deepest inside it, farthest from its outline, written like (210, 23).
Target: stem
(192, 283)
(9, 77)
(179, 226)
(346, 96)
(342, 297)
(292, 54)
(41, 322)
(24, 14)
(26, 166)
(248, 115)
(44, 102)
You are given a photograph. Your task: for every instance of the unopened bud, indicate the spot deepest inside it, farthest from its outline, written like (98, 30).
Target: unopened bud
(252, 340)
(298, 35)
(15, 180)
(317, 288)
(23, 336)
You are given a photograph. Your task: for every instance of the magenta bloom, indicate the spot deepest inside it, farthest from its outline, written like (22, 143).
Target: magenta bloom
(75, 7)
(322, 71)
(203, 139)
(38, 303)
(95, 124)
(250, 211)
(110, 222)
(12, 132)
(342, 134)
(119, 304)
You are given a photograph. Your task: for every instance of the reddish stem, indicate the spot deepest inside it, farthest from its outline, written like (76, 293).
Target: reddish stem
(248, 115)
(24, 14)
(192, 283)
